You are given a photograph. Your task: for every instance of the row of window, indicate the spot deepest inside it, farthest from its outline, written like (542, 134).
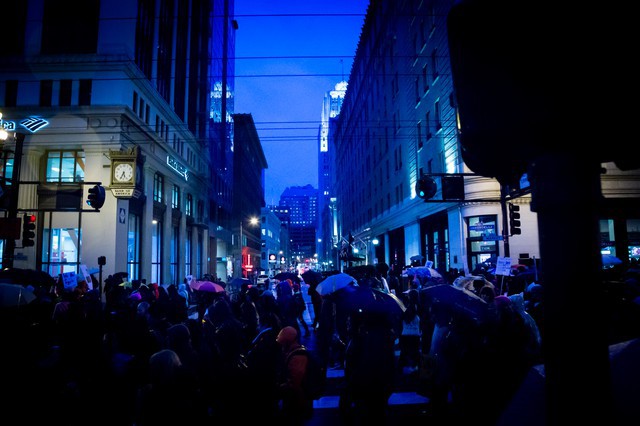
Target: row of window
(54, 92)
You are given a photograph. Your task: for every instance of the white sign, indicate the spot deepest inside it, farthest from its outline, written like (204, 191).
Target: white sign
(504, 266)
(87, 276)
(122, 192)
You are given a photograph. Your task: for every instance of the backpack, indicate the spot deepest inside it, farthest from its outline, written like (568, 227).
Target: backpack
(315, 379)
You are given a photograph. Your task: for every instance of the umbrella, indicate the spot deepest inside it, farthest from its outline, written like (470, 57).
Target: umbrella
(457, 302)
(287, 276)
(334, 282)
(238, 281)
(610, 260)
(467, 282)
(207, 286)
(33, 277)
(417, 258)
(423, 271)
(363, 299)
(15, 295)
(312, 277)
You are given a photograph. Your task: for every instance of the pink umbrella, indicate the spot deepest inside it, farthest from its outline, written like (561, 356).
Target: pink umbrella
(208, 286)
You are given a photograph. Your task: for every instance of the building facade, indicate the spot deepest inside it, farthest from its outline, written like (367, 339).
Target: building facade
(397, 124)
(118, 82)
(302, 205)
(248, 195)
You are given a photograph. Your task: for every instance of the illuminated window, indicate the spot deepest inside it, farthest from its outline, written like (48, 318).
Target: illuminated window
(175, 197)
(158, 188)
(65, 166)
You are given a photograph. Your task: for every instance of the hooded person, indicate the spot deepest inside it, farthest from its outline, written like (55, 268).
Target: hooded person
(296, 406)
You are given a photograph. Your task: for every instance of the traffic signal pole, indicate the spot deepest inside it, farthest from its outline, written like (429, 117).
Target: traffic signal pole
(10, 244)
(505, 220)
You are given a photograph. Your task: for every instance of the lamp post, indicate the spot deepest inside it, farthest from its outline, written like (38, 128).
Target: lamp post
(252, 221)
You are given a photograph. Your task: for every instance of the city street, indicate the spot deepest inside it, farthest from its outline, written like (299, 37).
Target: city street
(406, 407)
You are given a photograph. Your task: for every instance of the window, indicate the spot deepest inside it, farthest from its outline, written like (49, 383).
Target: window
(175, 251)
(84, 96)
(199, 250)
(46, 93)
(11, 93)
(60, 250)
(175, 197)
(189, 205)
(425, 79)
(200, 217)
(187, 251)
(158, 188)
(427, 124)
(133, 246)
(156, 251)
(65, 166)
(434, 63)
(419, 136)
(437, 117)
(65, 93)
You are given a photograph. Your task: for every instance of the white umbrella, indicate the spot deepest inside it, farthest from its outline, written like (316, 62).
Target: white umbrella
(334, 282)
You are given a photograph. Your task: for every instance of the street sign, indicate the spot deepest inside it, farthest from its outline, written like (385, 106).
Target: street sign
(490, 236)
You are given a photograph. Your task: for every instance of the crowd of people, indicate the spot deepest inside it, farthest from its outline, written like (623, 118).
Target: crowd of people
(151, 355)
(147, 355)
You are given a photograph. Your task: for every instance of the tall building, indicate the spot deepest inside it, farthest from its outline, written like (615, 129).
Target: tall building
(221, 135)
(112, 93)
(248, 195)
(327, 238)
(398, 124)
(302, 203)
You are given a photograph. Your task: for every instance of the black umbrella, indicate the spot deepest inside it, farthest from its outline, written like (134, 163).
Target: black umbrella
(363, 299)
(32, 277)
(449, 301)
(312, 277)
(288, 276)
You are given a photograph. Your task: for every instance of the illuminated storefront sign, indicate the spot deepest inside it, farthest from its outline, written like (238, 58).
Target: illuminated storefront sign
(175, 165)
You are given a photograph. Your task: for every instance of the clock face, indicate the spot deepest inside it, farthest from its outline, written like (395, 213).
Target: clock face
(123, 172)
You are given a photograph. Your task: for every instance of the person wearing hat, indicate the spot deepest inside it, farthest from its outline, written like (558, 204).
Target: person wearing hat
(296, 407)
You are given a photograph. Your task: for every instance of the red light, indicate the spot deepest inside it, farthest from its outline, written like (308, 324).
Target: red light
(31, 218)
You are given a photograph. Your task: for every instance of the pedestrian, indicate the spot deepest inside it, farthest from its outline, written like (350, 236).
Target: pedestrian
(301, 306)
(296, 406)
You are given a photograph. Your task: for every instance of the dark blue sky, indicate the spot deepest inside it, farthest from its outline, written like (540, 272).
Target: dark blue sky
(286, 60)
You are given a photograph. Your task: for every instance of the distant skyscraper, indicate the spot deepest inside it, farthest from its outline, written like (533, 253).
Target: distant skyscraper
(302, 202)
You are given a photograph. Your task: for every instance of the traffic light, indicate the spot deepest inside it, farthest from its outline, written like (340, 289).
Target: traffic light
(28, 230)
(514, 219)
(96, 197)
(426, 187)
(453, 187)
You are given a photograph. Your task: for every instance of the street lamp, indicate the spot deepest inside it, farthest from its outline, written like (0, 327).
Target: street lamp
(253, 221)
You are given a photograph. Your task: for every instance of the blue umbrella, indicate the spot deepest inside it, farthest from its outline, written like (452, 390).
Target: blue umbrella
(610, 260)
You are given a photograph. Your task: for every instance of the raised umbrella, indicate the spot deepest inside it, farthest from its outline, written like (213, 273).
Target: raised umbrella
(282, 276)
(207, 286)
(312, 277)
(335, 282)
(15, 295)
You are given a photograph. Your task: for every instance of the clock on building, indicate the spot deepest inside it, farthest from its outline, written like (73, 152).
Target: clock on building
(123, 172)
